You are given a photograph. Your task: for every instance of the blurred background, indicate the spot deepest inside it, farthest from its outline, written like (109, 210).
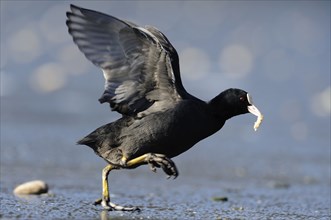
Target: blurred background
(278, 51)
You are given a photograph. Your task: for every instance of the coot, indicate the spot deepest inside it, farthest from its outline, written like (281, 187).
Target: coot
(160, 120)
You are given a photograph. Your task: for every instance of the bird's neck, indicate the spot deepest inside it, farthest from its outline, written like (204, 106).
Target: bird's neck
(219, 109)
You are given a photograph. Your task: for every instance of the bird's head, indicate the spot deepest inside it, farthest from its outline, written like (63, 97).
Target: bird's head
(232, 102)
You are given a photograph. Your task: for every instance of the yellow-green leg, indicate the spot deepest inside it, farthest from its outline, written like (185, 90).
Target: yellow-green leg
(105, 187)
(154, 160)
(105, 200)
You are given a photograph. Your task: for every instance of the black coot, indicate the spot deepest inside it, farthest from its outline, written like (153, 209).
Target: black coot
(160, 120)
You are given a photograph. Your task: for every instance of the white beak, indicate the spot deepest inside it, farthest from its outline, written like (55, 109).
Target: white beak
(252, 109)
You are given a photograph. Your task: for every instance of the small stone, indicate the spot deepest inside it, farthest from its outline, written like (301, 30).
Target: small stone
(35, 187)
(240, 208)
(220, 199)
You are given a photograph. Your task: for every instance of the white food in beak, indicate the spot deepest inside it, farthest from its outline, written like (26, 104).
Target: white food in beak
(255, 111)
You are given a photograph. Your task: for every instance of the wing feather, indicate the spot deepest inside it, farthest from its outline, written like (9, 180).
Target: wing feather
(139, 65)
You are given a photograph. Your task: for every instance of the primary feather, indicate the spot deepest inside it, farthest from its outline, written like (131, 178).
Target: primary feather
(139, 65)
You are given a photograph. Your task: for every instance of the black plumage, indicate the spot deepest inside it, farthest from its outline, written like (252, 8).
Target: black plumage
(160, 119)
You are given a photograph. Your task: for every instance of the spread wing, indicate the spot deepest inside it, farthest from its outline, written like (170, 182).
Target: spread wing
(139, 65)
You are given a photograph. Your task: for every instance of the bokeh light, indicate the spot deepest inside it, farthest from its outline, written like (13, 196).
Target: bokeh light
(48, 77)
(25, 46)
(320, 103)
(195, 63)
(236, 61)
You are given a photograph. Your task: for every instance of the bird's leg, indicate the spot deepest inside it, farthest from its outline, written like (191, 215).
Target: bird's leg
(155, 160)
(105, 200)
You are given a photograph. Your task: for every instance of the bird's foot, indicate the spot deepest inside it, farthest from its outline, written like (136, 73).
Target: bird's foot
(113, 207)
(159, 160)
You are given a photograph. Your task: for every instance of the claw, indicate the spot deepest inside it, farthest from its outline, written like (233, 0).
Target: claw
(113, 207)
(97, 202)
(155, 161)
(152, 167)
(160, 160)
